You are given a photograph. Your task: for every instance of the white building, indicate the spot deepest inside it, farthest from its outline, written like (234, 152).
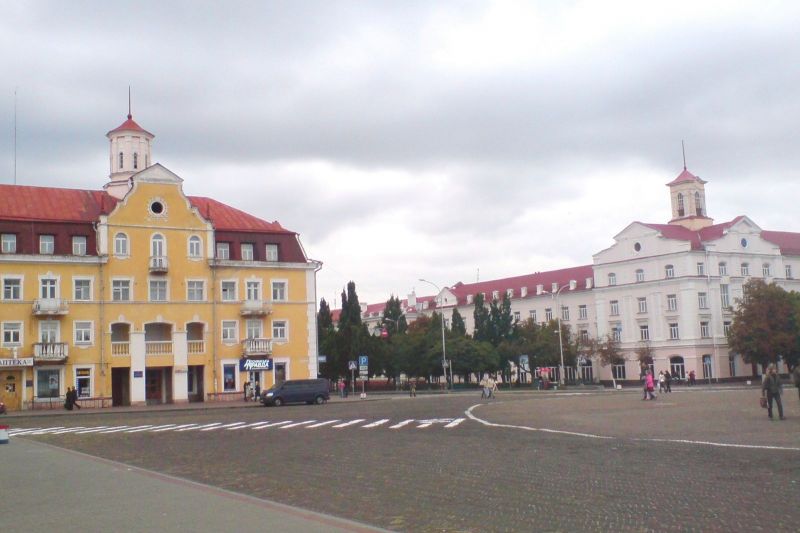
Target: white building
(671, 286)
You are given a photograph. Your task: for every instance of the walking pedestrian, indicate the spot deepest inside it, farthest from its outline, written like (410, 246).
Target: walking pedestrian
(246, 390)
(75, 398)
(68, 400)
(692, 377)
(493, 388)
(648, 386)
(771, 388)
(662, 382)
(412, 389)
(484, 389)
(341, 388)
(668, 380)
(257, 396)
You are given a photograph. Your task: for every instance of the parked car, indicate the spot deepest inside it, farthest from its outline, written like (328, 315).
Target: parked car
(297, 391)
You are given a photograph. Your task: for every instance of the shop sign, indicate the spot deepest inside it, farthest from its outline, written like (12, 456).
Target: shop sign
(252, 365)
(25, 361)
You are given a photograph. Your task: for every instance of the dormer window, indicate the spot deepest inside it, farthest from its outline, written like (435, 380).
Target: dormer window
(120, 160)
(510, 293)
(681, 210)
(135, 160)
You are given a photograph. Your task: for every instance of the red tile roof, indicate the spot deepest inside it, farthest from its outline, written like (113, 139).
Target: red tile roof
(530, 281)
(789, 242)
(130, 125)
(685, 176)
(25, 202)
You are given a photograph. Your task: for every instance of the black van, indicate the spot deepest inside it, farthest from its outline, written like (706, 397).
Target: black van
(297, 391)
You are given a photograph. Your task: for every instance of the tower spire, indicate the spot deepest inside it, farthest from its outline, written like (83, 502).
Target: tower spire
(683, 149)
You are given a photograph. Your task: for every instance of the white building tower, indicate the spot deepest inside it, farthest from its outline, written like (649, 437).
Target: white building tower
(688, 196)
(129, 154)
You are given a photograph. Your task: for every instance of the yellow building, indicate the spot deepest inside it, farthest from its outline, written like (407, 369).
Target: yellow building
(140, 294)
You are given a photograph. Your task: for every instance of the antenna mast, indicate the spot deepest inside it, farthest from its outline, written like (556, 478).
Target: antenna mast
(15, 135)
(129, 101)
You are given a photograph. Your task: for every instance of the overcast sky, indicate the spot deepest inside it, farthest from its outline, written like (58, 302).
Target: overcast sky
(406, 140)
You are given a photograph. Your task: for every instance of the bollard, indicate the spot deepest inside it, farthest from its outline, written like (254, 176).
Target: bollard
(3, 434)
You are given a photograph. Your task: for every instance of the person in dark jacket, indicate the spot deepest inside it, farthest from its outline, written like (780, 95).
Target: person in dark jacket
(668, 381)
(771, 388)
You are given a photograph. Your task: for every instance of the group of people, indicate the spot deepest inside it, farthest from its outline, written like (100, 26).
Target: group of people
(664, 381)
(71, 399)
(488, 387)
(252, 392)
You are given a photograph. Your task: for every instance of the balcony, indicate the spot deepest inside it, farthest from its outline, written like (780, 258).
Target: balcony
(196, 347)
(120, 348)
(159, 264)
(153, 348)
(50, 307)
(50, 351)
(257, 347)
(255, 308)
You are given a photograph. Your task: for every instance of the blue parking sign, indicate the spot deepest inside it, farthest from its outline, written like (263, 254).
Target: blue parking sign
(363, 360)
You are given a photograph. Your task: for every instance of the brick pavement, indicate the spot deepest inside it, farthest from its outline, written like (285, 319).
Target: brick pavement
(480, 478)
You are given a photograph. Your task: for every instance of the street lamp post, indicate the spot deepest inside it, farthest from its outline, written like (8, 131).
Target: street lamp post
(557, 296)
(444, 348)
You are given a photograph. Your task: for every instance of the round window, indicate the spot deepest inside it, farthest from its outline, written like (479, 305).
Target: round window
(744, 243)
(157, 208)
(637, 247)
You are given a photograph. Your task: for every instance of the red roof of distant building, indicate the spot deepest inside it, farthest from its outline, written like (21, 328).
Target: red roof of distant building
(788, 242)
(685, 176)
(25, 202)
(529, 281)
(130, 125)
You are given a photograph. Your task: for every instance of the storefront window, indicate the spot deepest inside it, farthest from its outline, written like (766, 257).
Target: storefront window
(229, 377)
(48, 383)
(83, 382)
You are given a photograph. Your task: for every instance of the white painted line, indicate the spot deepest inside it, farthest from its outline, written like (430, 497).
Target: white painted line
(723, 444)
(232, 424)
(401, 424)
(151, 428)
(174, 427)
(298, 424)
(96, 429)
(273, 424)
(469, 414)
(344, 425)
(259, 425)
(45, 431)
(320, 424)
(425, 425)
(202, 428)
(376, 423)
(128, 429)
(68, 430)
(241, 425)
(30, 430)
(455, 422)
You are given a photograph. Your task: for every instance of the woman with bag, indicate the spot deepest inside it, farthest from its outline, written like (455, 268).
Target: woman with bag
(771, 390)
(649, 385)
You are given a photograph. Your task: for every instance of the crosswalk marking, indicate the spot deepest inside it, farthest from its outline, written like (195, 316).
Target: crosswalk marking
(345, 424)
(273, 424)
(298, 424)
(151, 428)
(320, 424)
(363, 423)
(454, 423)
(376, 423)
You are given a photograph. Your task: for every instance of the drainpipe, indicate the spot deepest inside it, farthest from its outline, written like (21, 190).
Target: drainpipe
(214, 322)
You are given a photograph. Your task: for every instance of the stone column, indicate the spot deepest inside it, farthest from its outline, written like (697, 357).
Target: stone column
(180, 369)
(137, 368)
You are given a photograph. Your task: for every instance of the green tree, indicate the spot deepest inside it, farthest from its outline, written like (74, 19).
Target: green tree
(353, 339)
(394, 321)
(766, 324)
(608, 353)
(326, 336)
(457, 326)
(480, 315)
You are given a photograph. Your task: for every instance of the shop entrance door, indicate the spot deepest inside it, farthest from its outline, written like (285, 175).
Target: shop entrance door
(154, 390)
(120, 386)
(11, 389)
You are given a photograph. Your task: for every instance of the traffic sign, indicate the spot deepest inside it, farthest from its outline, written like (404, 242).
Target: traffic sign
(322, 358)
(351, 365)
(363, 360)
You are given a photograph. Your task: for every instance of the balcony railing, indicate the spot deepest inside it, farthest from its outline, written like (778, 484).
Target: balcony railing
(158, 264)
(120, 348)
(196, 347)
(50, 351)
(257, 347)
(50, 306)
(255, 308)
(158, 347)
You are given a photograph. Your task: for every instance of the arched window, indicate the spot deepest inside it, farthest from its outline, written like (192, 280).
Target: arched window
(677, 367)
(120, 160)
(120, 244)
(195, 246)
(698, 204)
(707, 367)
(681, 211)
(135, 160)
(157, 246)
